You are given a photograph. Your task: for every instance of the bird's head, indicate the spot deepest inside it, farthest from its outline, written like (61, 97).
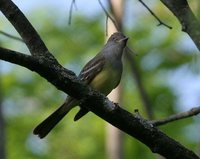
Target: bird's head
(118, 38)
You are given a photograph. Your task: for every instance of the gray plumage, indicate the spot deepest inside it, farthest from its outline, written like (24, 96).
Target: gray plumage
(102, 73)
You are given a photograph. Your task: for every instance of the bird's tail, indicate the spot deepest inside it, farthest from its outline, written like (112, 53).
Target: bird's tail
(50, 122)
(80, 114)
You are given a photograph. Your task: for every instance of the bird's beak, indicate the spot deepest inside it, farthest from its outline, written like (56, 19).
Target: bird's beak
(124, 39)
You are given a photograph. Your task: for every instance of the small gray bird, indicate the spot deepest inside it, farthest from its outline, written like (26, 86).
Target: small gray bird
(102, 73)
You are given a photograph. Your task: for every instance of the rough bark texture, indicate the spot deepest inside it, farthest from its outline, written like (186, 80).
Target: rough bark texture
(183, 12)
(47, 66)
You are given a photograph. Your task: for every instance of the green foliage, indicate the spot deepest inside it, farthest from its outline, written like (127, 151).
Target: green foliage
(28, 98)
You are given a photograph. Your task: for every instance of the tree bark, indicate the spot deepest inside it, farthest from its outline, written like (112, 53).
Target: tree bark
(48, 67)
(187, 19)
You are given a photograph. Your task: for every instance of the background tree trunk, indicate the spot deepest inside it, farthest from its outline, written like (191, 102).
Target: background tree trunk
(114, 137)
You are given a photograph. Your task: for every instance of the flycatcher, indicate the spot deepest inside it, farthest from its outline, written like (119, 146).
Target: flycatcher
(102, 73)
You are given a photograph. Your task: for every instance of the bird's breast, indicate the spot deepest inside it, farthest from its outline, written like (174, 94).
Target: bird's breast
(107, 79)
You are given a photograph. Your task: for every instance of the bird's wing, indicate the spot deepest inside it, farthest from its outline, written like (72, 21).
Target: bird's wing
(92, 68)
(88, 73)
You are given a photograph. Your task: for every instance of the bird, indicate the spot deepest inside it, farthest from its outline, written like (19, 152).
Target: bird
(101, 73)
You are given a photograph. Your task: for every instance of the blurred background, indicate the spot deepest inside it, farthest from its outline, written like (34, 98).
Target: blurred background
(167, 63)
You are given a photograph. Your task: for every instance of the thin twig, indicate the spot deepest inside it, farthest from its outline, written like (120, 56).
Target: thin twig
(155, 16)
(73, 4)
(108, 15)
(192, 112)
(11, 36)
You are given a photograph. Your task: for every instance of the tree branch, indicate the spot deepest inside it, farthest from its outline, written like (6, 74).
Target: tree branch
(109, 16)
(66, 81)
(137, 127)
(11, 36)
(47, 68)
(29, 35)
(157, 141)
(171, 118)
(155, 16)
(73, 4)
(190, 24)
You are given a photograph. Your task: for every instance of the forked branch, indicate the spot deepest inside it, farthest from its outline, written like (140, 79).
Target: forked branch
(46, 65)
